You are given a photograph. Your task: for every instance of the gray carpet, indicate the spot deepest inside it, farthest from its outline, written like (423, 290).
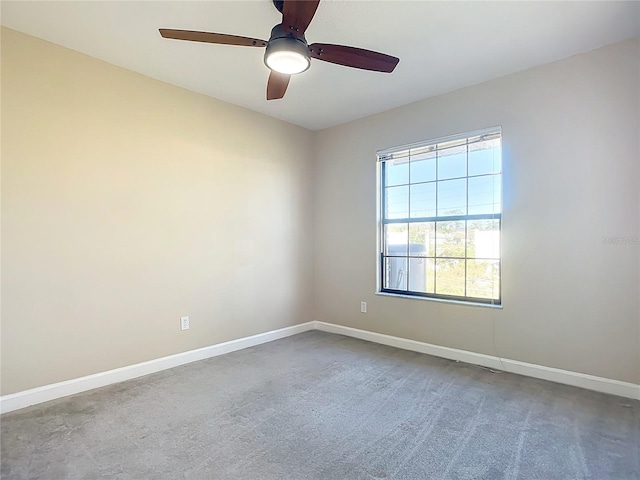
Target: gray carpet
(323, 406)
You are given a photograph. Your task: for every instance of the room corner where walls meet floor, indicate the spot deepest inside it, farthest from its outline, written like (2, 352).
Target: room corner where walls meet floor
(16, 401)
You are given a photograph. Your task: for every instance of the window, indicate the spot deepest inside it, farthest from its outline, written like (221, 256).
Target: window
(440, 217)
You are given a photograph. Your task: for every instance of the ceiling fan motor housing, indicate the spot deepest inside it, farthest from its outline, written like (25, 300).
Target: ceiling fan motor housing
(283, 45)
(279, 4)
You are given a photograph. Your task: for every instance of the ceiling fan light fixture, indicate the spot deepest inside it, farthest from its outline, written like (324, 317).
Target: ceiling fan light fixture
(287, 61)
(285, 53)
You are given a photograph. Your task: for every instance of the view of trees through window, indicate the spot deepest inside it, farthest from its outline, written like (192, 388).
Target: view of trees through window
(441, 219)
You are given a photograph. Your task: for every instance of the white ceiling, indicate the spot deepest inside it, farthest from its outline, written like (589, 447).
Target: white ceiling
(442, 46)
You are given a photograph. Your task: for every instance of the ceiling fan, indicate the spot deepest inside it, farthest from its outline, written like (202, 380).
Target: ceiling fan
(287, 52)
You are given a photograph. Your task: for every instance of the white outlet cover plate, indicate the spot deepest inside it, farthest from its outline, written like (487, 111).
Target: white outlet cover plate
(184, 323)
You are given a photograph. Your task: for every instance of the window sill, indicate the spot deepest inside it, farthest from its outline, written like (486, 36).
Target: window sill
(440, 300)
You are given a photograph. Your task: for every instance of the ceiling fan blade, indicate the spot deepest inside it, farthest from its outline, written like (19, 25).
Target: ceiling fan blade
(297, 15)
(277, 85)
(353, 57)
(209, 37)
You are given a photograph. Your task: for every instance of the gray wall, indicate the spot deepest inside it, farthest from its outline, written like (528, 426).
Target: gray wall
(571, 177)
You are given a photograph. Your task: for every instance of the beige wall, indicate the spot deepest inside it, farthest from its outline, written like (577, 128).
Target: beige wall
(571, 177)
(126, 203)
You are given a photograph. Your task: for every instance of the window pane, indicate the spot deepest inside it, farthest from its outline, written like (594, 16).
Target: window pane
(396, 239)
(397, 202)
(423, 167)
(423, 200)
(452, 163)
(483, 278)
(422, 239)
(483, 239)
(395, 273)
(450, 239)
(484, 194)
(484, 157)
(449, 276)
(422, 275)
(452, 197)
(396, 172)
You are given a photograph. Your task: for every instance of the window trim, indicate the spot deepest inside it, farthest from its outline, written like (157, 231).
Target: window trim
(387, 154)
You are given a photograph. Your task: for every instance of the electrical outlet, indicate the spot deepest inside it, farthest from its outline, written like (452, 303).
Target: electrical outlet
(363, 307)
(184, 323)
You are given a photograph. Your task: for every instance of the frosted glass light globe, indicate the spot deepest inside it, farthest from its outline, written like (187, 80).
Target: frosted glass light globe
(288, 62)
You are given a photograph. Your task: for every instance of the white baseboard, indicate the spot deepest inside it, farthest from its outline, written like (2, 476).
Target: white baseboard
(26, 398)
(590, 382)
